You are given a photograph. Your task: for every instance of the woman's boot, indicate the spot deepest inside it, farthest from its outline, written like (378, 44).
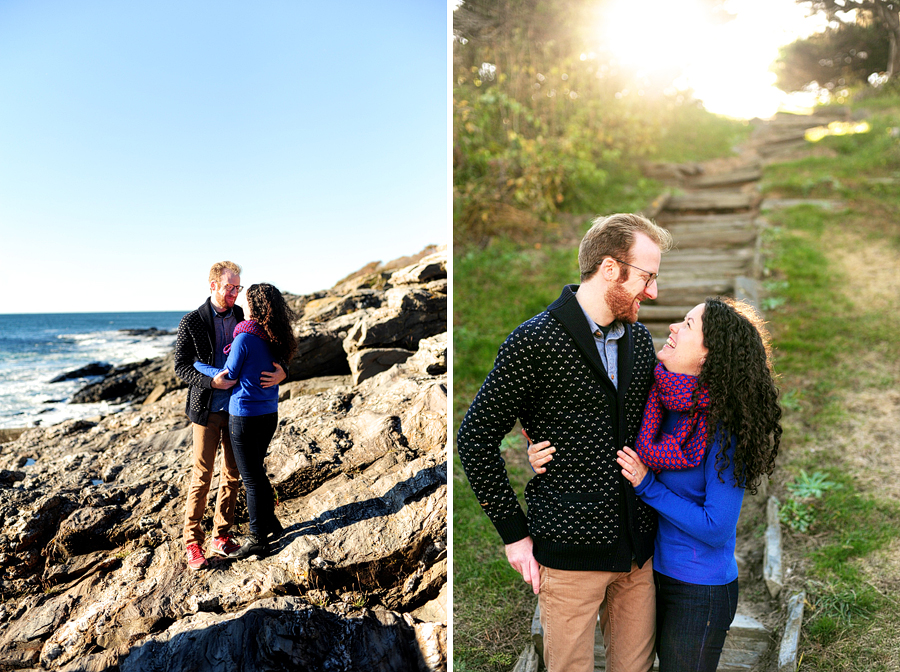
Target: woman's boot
(254, 545)
(276, 529)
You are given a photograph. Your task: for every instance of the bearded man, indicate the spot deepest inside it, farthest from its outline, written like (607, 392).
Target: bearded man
(578, 375)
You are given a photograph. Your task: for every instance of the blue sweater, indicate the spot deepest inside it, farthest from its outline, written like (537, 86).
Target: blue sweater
(698, 517)
(248, 358)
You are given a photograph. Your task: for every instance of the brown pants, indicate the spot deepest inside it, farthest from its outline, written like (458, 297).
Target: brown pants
(626, 602)
(206, 441)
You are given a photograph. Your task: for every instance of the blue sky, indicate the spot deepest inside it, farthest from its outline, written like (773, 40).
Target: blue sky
(141, 142)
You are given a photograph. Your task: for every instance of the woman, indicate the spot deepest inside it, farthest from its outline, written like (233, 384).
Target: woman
(710, 431)
(253, 410)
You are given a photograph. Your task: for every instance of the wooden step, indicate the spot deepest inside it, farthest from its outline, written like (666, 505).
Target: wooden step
(686, 264)
(684, 291)
(731, 179)
(711, 200)
(745, 221)
(772, 150)
(702, 256)
(667, 218)
(656, 313)
(747, 642)
(713, 235)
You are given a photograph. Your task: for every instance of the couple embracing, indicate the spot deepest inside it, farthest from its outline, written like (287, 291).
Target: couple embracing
(641, 460)
(233, 367)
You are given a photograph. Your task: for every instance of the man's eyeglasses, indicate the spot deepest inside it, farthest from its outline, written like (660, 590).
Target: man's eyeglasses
(234, 288)
(650, 280)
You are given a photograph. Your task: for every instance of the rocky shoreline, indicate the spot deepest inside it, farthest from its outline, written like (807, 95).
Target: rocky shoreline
(92, 567)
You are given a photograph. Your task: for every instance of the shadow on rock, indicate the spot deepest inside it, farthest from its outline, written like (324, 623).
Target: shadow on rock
(285, 633)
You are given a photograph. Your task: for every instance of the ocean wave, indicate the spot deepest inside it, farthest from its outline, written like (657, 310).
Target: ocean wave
(26, 395)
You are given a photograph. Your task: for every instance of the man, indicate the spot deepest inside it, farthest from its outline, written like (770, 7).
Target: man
(203, 335)
(578, 375)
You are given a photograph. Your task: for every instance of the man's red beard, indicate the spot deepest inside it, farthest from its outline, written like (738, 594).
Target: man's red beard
(622, 304)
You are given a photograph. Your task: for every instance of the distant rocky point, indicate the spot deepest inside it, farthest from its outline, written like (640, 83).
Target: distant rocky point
(152, 332)
(92, 564)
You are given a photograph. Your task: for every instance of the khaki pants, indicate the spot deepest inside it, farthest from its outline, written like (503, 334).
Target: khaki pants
(206, 441)
(626, 602)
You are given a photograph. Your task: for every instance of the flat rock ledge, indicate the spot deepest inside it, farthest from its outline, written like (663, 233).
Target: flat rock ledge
(92, 565)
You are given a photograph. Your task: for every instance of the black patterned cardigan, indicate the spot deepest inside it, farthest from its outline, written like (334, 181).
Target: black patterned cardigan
(582, 513)
(195, 342)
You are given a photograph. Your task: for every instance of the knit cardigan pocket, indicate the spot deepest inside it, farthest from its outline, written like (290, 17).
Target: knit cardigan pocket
(578, 518)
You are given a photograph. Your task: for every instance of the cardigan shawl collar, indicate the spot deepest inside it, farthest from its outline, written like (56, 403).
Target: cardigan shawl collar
(567, 310)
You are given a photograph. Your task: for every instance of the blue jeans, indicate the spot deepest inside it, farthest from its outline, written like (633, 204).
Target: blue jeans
(250, 437)
(691, 623)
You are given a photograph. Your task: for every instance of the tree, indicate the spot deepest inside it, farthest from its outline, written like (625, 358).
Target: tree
(844, 55)
(885, 11)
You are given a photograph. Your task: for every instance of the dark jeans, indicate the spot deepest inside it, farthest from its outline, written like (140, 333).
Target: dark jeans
(691, 623)
(250, 437)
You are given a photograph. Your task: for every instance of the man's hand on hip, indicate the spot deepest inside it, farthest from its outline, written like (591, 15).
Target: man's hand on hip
(521, 558)
(272, 378)
(220, 382)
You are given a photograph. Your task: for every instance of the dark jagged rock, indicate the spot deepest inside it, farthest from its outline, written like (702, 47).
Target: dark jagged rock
(92, 369)
(408, 305)
(8, 477)
(151, 332)
(285, 633)
(92, 566)
(131, 382)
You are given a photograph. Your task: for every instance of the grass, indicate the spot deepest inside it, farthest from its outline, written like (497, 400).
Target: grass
(494, 618)
(835, 337)
(696, 135)
(495, 290)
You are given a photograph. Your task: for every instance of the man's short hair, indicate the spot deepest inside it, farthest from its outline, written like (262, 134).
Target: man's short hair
(220, 267)
(613, 236)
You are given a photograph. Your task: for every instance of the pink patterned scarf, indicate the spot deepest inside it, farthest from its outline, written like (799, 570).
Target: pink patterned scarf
(248, 327)
(685, 447)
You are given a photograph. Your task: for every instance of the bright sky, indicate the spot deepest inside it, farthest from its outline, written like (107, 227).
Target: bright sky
(142, 141)
(727, 65)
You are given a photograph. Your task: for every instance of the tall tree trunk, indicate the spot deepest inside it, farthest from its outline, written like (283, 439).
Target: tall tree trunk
(891, 19)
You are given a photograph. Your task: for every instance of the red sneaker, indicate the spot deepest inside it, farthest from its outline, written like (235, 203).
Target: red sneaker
(225, 546)
(196, 559)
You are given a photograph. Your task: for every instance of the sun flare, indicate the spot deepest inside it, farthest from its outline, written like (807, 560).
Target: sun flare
(725, 64)
(661, 34)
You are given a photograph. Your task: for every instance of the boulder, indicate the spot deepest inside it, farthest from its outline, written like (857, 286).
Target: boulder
(367, 363)
(431, 358)
(408, 315)
(432, 267)
(320, 350)
(92, 369)
(132, 382)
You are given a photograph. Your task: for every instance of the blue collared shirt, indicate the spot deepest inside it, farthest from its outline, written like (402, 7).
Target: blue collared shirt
(607, 345)
(224, 326)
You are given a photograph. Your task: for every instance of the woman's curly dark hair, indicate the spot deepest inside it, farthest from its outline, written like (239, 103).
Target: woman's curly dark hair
(743, 398)
(268, 307)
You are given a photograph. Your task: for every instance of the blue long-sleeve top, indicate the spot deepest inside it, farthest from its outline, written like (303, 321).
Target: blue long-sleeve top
(698, 517)
(248, 358)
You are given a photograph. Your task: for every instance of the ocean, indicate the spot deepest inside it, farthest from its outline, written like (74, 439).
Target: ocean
(35, 348)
